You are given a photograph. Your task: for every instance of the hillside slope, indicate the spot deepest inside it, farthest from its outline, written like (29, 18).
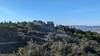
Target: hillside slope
(38, 38)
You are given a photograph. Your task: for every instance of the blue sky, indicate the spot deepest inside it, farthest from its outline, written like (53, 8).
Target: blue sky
(66, 12)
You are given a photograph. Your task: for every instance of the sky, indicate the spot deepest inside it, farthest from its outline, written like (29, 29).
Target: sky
(65, 12)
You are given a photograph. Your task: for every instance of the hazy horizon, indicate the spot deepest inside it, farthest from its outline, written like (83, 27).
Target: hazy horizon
(64, 12)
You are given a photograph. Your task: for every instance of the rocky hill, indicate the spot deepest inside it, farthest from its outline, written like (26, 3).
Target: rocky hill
(39, 38)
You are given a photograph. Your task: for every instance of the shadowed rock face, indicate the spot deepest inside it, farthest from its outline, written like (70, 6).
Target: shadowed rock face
(8, 34)
(8, 40)
(89, 49)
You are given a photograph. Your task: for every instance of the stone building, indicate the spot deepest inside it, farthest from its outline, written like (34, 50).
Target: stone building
(42, 26)
(50, 24)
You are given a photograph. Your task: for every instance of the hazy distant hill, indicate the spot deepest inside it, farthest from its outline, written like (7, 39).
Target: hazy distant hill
(88, 28)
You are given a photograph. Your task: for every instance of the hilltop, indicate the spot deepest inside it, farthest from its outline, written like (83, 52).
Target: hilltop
(36, 38)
